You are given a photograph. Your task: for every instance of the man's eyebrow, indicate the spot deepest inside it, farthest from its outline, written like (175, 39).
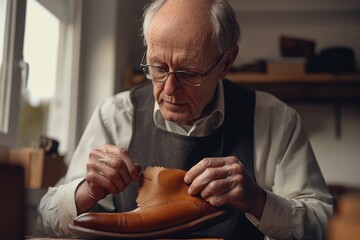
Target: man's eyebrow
(155, 59)
(184, 64)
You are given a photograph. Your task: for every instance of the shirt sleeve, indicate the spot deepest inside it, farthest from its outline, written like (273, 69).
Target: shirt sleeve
(110, 123)
(298, 202)
(58, 208)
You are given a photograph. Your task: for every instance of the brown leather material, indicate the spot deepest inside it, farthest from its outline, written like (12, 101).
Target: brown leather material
(162, 201)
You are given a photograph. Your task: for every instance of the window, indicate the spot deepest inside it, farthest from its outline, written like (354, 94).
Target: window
(12, 13)
(3, 37)
(51, 48)
(41, 46)
(55, 26)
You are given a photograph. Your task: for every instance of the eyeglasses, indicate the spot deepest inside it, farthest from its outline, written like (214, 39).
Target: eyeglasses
(186, 78)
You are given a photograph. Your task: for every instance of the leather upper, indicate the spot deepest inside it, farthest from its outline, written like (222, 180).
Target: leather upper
(162, 201)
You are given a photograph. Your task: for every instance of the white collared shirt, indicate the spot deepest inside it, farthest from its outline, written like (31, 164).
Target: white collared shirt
(298, 203)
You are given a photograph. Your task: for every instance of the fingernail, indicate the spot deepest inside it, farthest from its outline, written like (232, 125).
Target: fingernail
(138, 167)
(187, 179)
(190, 192)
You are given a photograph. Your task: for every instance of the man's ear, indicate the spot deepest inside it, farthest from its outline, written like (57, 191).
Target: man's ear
(229, 60)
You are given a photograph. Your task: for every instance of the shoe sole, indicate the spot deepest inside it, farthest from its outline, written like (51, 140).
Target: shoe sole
(188, 227)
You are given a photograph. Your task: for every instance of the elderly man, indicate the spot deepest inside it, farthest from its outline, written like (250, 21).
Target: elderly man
(241, 148)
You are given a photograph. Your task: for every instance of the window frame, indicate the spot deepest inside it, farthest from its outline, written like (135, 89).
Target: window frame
(67, 79)
(12, 73)
(70, 15)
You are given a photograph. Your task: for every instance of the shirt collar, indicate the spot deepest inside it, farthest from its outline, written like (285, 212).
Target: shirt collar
(201, 127)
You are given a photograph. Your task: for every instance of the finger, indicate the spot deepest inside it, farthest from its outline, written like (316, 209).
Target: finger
(227, 198)
(119, 168)
(100, 183)
(201, 166)
(206, 177)
(132, 170)
(96, 178)
(217, 187)
(112, 167)
(138, 167)
(108, 148)
(119, 177)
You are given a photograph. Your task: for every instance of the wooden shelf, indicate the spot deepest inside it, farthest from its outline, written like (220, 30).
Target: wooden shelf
(337, 6)
(316, 87)
(306, 88)
(306, 78)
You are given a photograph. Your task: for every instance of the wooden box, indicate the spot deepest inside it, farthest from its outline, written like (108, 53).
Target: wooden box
(41, 170)
(286, 67)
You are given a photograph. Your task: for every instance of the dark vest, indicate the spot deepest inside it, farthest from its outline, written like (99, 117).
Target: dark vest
(151, 146)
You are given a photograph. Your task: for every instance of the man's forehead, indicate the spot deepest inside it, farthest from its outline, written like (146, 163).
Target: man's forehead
(181, 27)
(188, 5)
(186, 50)
(179, 32)
(183, 15)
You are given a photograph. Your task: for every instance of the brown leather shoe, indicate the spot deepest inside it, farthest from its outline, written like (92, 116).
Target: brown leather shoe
(164, 209)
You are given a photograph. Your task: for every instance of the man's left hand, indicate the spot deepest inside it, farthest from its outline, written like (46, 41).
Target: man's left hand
(224, 181)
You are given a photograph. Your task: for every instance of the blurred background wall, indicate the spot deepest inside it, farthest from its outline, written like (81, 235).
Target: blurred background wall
(111, 43)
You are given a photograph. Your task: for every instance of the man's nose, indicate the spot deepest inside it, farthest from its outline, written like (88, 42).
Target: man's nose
(172, 85)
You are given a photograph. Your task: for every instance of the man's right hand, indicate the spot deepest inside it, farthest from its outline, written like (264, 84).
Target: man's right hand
(110, 170)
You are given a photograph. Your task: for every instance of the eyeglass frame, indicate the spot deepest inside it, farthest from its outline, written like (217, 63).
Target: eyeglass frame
(202, 74)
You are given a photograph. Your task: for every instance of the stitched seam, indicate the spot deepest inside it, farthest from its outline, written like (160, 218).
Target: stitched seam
(166, 203)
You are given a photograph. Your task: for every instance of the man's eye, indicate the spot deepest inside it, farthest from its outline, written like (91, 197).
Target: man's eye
(162, 70)
(157, 70)
(187, 75)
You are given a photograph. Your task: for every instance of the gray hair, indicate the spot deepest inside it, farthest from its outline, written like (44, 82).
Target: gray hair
(226, 30)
